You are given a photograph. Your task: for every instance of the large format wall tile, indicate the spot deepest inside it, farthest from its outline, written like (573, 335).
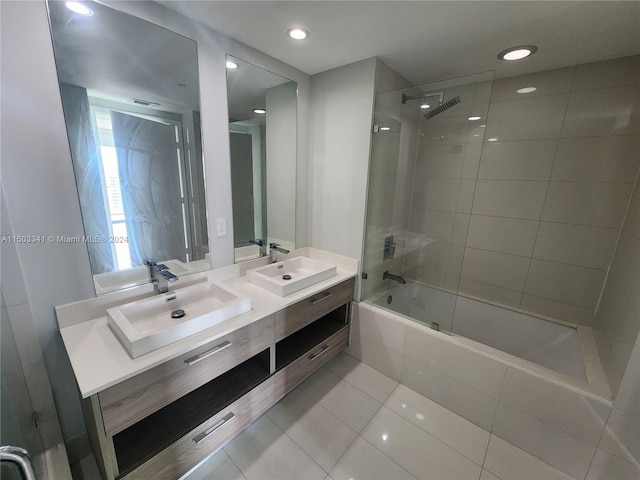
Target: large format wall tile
(597, 204)
(556, 309)
(604, 112)
(597, 159)
(440, 161)
(436, 194)
(605, 465)
(549, 82)
(551, 187)
(580, 245)
(490, 292)
(610, 73)
(518, 160)
(527, 119)
(509, 198)
(504, 235)
(565, 283)
(502, 270)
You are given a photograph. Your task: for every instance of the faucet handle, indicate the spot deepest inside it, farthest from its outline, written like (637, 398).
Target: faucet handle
(161, 267)
(274, 245)
(257, 241)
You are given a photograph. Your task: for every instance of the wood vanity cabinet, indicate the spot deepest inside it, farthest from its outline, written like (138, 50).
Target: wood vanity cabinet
(162, 422)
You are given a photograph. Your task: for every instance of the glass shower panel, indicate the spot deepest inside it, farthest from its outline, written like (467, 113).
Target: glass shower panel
(447, 160)
(389, 194)
(424, 164)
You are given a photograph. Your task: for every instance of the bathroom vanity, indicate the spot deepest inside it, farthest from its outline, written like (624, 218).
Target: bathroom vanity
(159, 415)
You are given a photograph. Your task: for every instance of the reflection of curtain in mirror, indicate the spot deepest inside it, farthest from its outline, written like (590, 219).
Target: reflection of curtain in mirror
(150, 183)
(87, 171)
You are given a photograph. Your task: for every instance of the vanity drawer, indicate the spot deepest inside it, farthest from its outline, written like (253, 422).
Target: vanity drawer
(134, 399)
(304, 312)
(181, 456)
(296, 372)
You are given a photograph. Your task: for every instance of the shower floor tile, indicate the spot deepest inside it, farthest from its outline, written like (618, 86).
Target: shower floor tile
(311, 434)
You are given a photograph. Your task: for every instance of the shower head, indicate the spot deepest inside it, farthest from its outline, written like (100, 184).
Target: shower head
(443, 106)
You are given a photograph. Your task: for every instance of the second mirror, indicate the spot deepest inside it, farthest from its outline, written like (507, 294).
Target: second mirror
(262, 138)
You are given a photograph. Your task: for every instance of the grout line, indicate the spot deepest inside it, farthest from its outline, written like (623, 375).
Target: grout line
(223, 449)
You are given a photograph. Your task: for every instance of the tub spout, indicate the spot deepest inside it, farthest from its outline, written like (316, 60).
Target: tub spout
(391, 276)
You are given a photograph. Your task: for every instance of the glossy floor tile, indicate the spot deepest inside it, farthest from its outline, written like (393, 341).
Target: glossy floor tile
(363, 461)
(350, 422)
(323, 436)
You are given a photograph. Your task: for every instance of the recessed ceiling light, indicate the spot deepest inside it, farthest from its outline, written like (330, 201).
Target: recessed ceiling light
(526, 90)
(297, 33)
(259, 111)
(473, 119)
(231, 65)
(79, 8)
(384, 129)
(517, 53)
(492, 139)
(425, 105)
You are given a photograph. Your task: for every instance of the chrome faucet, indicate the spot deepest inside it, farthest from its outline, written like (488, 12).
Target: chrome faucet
(160, 276)
(391, 276)
(274, 248)
(260, 243)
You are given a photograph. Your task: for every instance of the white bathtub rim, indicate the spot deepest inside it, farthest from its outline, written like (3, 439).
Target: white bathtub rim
(596, 391)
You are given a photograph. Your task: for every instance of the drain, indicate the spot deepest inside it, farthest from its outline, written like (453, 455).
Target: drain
(178, 313)
(389, 299)
(286, 277)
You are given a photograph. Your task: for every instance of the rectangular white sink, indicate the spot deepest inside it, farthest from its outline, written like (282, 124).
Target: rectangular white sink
(290, 276)
(146, 325)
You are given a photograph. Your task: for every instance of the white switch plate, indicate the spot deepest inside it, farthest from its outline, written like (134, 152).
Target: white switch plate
(221, 227)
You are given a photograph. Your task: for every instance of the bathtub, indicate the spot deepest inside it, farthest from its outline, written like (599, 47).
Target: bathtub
(548, 343)
(534, 382)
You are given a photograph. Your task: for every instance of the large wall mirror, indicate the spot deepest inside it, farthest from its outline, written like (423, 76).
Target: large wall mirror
(131, 104)
(262, 131)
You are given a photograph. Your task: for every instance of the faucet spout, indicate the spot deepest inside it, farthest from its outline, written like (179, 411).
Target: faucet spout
(260, 243)
(391, 276)
(161, 276)
(274, 248)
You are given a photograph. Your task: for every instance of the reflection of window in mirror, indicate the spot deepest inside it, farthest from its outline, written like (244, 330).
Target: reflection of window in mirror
(119, 200)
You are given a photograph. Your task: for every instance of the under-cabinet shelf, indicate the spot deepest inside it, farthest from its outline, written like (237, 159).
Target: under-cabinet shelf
(296, 344)
(146, 438)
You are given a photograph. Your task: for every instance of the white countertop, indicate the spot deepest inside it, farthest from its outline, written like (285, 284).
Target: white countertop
(100, 361)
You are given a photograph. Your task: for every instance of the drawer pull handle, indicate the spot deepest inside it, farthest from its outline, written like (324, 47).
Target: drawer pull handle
(325, 295)
(208, 353)
(201, 436)
(323, 349)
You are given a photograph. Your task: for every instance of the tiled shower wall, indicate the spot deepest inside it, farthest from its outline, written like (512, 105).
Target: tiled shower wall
(617, 321)
(530, 219)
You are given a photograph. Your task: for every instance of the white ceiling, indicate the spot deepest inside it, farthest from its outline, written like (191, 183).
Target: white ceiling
(427, 40)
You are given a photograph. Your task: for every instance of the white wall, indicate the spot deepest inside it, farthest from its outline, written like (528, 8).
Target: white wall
(37, 175)
(340, 124)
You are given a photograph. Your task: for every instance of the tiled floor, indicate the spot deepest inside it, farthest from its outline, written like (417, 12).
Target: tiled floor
(349, 421)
